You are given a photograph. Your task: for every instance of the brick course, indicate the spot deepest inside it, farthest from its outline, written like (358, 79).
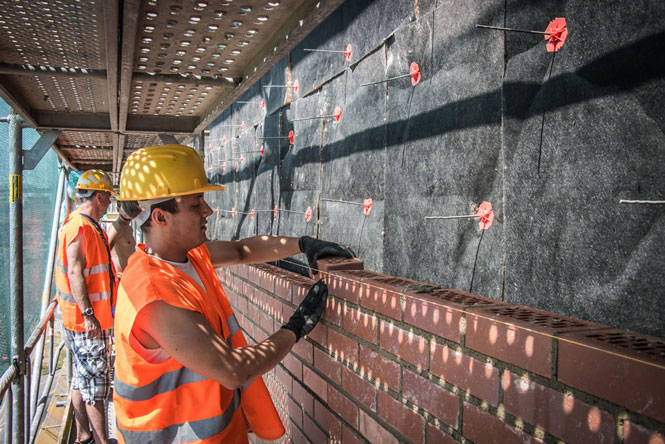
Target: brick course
(399, 361)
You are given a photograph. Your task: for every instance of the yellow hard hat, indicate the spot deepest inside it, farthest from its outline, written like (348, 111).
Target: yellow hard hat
(163, 171)
(96, 180)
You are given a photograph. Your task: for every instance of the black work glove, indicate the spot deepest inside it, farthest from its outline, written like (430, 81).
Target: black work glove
(316, 249)
(309, 311)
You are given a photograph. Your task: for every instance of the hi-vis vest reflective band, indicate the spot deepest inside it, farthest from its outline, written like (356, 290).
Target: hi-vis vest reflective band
(96, 273)
(166, 402)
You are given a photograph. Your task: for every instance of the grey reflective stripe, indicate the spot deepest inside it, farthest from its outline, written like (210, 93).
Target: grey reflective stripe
(93, 297)
(95, 269)
(234, 327)
(63, 268)
(103, 268)
(244, 387)
(165, 383)
(188, 431)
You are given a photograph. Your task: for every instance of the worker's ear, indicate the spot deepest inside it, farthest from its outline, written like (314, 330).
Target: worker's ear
(158, 216)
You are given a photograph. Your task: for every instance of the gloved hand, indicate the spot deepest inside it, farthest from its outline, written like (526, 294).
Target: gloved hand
(316, 249)
(309, 311)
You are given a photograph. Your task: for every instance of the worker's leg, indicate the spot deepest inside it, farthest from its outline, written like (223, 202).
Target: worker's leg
(80, 416)
(97, 416)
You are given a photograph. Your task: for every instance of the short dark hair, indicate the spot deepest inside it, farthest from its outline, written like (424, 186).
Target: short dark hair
(130, 208)
(170, 206)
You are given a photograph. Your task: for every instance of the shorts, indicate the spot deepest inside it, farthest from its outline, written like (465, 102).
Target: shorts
(93, 368)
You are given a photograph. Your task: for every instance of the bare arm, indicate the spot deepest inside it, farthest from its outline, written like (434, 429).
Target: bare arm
(188, 338)
(113, 236)
(75, 267)
(252, 250)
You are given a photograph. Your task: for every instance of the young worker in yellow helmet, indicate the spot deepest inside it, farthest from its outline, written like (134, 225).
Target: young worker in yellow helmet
(184, 372)
(85, 283)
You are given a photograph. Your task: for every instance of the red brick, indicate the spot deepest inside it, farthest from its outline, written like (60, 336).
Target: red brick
(343, 406)
(475, 377)
(298, 292)
(379, 368)
(431, 397)
(360, 324)
(359, 388)
(260, 335)
(287, 312)
(401, 417)
(349, 436)
(482, 427)
(333, 312)
(297, 437)
(267, 277)
(560, 415)
(293, 365)
(383, 296)
(328, 422)
(260, 299)
(437, 436)
(526, 349)
(434, 314)
(305, 350)
(303, 398)
(373, 431)
(328, 264)
(242, 270)
(315, 383)
(346, 284)
(241, 305)
(253, 313)
(404, 344)
(319, 334)
(253, 274)
(312, 431)
(342, 347)
(327, 366)
(629, 377)
(275, 309)
(284, 378)
(343, 286)
(635, 434)
(231, 296)
(267, 322)
(238, 286)
(283, 288)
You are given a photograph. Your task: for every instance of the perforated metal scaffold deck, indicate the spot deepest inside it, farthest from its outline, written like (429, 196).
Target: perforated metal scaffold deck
(114, 76)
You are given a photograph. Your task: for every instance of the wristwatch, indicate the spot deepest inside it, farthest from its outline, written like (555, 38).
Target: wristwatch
(88, 312)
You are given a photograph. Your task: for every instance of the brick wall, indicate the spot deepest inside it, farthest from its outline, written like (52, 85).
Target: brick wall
(395, 360)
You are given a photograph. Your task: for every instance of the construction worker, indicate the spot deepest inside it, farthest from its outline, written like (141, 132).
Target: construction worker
(85, 281)
(121, 235)
(184, 372)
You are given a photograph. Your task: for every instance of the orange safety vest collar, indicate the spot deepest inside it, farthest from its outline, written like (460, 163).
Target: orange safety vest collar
(167, 402)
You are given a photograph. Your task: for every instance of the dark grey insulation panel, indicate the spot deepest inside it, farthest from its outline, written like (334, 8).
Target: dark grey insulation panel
(552, 140)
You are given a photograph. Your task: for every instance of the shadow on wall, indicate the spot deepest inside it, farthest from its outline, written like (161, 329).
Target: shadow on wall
(613, 69)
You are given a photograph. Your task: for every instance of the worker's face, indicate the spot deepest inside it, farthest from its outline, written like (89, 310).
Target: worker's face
(189, 223)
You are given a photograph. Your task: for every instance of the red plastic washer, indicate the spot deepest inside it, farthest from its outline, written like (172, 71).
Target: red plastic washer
(486, 215)
(367, 206)
(338, 114)
(414, 70)
(557, 33)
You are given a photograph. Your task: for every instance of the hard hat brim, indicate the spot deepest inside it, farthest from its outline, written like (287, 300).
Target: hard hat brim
(203, 189)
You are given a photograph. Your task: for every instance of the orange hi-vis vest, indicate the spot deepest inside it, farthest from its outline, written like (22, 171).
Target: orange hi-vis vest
(167, 402)
(96, 273)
